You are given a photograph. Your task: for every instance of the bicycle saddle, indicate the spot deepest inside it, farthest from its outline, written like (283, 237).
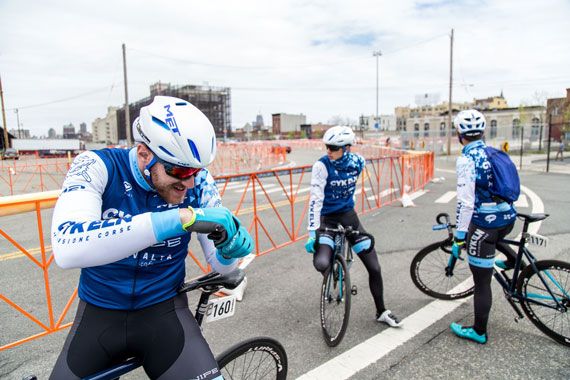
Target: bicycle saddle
(532, 217)
(214, 279)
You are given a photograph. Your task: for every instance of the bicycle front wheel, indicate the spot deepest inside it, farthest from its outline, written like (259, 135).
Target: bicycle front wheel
(431, 273)
(335, 302)
(537, 302)
(256, 358)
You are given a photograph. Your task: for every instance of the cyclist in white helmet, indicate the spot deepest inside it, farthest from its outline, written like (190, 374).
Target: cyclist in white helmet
(125, 218)
(482, 219)
(333, 182)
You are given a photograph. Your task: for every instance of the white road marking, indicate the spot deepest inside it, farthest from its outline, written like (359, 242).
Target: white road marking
(384, 193)
(360, 190)
(445, 198)
(522, 201)
(370, 351)
(265, 186)
(417, 194)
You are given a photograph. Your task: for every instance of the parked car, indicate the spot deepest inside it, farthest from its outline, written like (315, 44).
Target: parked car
(10, 154)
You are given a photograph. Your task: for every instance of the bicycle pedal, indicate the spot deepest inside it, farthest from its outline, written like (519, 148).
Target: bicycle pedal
(354, 290)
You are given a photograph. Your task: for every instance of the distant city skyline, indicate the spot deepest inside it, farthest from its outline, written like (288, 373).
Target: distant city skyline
(310, 57)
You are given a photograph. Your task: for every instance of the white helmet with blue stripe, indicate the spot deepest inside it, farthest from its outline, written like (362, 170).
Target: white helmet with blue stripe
(470, 123)
(177, 132)
(339, 136)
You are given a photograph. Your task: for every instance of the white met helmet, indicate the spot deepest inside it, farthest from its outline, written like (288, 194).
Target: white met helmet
(339, 136)
(470, 123)
(177, 132)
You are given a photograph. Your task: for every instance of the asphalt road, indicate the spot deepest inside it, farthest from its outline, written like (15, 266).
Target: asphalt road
(282, 300)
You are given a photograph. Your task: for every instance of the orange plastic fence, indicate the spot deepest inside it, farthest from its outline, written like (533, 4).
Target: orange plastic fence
(34, 174)
(272, 204)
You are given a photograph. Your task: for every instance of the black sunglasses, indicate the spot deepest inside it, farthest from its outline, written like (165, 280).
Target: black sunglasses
(178, 172)
(333, 148)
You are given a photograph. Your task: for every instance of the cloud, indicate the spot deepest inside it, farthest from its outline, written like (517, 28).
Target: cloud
(313, 57)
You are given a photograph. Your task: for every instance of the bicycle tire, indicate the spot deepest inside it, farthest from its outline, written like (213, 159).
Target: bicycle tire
(255, 358)
(428, 272)
(554, 323)
(334, 329)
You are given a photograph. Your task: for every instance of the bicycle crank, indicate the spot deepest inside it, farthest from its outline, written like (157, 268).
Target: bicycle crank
(354, 290)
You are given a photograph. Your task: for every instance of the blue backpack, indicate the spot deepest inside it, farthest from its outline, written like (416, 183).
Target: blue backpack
(506, 184)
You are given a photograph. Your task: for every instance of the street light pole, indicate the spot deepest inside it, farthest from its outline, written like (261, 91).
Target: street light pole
(377, 54)
(550, 112)
(18, 122)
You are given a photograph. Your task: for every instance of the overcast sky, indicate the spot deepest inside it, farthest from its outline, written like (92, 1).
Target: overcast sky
(61, 61)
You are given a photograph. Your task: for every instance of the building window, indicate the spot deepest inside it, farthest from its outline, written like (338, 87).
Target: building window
(516, 128)
(493, 131)
(426, 129)
(416, 130)
(442, 129)
(535, 128)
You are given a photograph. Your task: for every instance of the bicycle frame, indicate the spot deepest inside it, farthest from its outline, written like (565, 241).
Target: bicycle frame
(510, 285)
(339, 243)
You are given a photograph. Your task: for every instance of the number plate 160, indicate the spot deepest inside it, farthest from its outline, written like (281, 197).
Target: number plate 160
(220, 308)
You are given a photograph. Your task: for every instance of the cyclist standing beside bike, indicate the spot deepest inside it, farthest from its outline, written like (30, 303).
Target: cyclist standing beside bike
(482, 218)
(125, 217)
(331, 202)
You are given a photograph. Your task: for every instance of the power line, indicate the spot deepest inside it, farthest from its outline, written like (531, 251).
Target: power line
(103, 89)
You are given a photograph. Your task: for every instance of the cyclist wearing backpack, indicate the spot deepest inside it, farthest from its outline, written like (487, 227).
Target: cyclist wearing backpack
(125, 217)
(487, 182)
(331, 202)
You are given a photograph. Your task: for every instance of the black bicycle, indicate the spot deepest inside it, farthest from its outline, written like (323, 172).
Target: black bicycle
(336, 290)
(256, 358)
(540, 287)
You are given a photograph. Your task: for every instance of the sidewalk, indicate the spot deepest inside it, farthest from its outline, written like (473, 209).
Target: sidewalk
(537, 162)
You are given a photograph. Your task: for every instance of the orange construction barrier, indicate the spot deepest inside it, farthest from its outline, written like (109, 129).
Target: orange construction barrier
(272, 204)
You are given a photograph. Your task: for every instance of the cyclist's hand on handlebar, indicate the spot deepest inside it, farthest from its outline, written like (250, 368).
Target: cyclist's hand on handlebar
(458, 244)
(310, 244)
(218, 222)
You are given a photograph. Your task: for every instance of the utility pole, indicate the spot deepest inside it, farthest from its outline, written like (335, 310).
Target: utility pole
(377, 54)
(450, 95)
(6, 139)
(127, 111)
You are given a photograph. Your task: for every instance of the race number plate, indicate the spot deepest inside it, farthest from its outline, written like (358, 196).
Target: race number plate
(537, 240)
(220, 308)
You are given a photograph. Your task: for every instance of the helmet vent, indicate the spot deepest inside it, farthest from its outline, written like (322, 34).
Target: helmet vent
(161, 123)
(194, 150)
(181, 104)
(165, 150)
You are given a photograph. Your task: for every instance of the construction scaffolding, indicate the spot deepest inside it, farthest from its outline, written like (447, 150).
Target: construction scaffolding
(215, 102)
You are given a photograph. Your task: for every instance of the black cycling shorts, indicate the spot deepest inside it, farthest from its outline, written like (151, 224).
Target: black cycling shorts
(165, 337)
(360, 243)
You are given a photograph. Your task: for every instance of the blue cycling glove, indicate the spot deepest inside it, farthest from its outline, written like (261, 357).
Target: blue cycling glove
(458, 244)
(310, 244)
(218, 222)
(240, 245)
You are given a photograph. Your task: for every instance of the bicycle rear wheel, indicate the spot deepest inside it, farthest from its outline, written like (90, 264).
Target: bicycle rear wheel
(335, 302)
(431, 274)
(256, 358)
(551, 321)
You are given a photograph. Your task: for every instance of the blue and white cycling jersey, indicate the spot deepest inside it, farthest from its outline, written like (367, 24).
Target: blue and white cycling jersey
(474, 201)
(332, 186)
(128, 241)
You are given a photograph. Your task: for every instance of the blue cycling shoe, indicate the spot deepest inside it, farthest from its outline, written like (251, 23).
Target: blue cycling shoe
(468, 333)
